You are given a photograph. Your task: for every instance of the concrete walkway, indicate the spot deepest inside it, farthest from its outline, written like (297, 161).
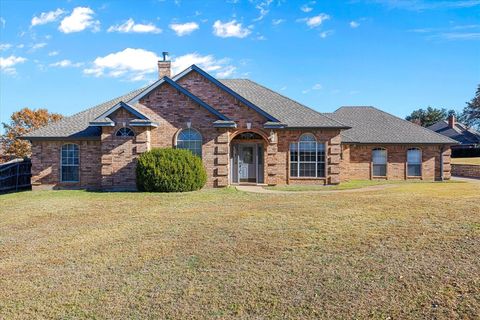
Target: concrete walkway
(259, 189)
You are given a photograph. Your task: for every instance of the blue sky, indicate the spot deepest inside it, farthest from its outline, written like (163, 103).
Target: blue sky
(398, 55)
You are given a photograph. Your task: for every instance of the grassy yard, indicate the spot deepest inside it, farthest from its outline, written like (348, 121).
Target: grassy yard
(407, 252)
(475, 161)
(352, 184)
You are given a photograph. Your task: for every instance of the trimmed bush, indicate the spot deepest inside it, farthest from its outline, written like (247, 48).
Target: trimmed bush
(170, 170)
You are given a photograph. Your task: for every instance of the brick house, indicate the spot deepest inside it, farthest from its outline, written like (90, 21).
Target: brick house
(244, 133)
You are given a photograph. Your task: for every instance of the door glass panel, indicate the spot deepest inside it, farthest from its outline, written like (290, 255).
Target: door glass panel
(248, 155)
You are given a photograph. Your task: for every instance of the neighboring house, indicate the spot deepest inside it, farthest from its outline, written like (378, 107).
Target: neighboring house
(244, 132)
(465, 136)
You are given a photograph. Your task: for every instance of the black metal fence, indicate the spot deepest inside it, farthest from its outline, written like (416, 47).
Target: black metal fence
(15, 175)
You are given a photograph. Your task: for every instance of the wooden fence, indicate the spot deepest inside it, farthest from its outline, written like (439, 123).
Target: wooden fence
(15, 175)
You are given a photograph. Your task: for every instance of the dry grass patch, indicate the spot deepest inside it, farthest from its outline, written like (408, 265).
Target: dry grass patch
(475, 161)
(411, 251)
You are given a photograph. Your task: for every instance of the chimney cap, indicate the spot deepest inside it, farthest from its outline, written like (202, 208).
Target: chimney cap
(165, 55)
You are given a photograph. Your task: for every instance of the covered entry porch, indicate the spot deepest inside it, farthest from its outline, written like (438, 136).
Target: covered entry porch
(247, 158)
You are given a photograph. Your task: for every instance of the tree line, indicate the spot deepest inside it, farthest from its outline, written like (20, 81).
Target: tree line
(470, 115)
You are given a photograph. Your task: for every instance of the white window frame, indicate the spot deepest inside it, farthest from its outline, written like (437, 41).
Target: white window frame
(317, 163)
(200, 140)
(69, 164)
(416, 164)
(123, 136)
(385, 164)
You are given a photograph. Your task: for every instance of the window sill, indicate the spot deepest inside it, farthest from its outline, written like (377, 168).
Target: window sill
(379, 177)
(414, 177)
(307, 178)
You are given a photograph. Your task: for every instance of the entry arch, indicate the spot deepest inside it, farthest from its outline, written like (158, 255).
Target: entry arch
(247, 156)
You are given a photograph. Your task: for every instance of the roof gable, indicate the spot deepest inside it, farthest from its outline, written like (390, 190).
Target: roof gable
(104, 119)
(220, 85)
(181, 89)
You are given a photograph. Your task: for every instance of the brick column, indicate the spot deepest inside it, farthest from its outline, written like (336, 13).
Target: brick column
(221, 157)
(271, 162)
(333, 153)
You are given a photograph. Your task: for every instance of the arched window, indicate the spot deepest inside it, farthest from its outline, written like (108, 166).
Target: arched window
(70, 160)
(190, 139)
(307, 157)
(379, 162)
(414, 162)
(125, 132)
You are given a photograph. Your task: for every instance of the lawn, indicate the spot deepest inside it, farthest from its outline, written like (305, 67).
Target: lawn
(407, 252)
(352, 184)
(475, 161)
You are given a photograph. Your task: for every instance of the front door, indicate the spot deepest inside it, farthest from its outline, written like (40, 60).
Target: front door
(247, 170)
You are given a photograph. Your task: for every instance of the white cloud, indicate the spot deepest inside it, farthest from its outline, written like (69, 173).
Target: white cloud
(130, 26)
(276, 22)
(80, 19)
(354, 24)
(325, 34)
(307, 7)
(7, 65)
(263, 8)
(182, 29)
(66, 63)
(53, 53)
(46, 17)
(207, 63)
(5, 46)
(461, 35)
(316, 20)
(230, 29)
(226, 72)
(38, 45)
(130, 62)
(315, 87)
(140, 64)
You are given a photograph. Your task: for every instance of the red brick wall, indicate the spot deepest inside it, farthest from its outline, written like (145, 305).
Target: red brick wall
(328, 136)
(222, 101)
(466, 170)
(172, 110)
(46, 164)
(356, 161)
(119, 154)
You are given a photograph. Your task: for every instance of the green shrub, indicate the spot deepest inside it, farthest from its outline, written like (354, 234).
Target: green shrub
(170, 170)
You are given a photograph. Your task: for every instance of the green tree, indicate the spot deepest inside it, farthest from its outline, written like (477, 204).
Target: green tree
(471, 112)
(429, 116)
(23, 122)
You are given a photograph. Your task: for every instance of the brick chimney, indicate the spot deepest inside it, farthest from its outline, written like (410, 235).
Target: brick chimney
(451, 121)
(164, 66)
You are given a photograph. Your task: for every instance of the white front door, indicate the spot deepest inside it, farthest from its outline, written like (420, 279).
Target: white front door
(247, 170)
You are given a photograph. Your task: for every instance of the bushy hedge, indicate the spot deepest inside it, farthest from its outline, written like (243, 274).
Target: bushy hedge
(170, 170)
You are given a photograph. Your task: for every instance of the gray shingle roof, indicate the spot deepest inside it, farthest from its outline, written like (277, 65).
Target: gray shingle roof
(77, 125)
(459, 132)
(286, 110)
(371, 125)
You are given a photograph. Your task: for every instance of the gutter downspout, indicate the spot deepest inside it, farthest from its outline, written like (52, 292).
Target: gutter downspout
(441, 163)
